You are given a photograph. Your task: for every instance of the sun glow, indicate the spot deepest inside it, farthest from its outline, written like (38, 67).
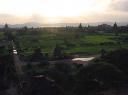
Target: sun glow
(53, 10)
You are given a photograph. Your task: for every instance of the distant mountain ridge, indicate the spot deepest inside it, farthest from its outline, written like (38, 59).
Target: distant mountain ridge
(29, 25)
(36, 25)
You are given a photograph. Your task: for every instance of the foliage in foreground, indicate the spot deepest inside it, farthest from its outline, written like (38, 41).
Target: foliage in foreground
(97, 76)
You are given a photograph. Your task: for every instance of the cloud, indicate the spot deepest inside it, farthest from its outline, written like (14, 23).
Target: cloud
(5, 18)
(12, 19)
(119, 5)
(65, 11)
(36, 18)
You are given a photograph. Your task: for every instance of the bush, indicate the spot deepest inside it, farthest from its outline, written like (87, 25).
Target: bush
(63, 75)
(97, 76)
(118, 58)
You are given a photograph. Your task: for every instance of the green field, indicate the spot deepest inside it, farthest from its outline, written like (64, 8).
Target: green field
(1, 35)
(71, 42)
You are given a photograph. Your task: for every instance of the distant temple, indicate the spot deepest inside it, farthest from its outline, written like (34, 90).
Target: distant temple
(6, 26)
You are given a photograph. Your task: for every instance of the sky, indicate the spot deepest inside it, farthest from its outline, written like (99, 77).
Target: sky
(63, 11)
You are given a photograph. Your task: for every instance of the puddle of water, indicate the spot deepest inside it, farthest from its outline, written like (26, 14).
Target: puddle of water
(83, 59)
(14, 51)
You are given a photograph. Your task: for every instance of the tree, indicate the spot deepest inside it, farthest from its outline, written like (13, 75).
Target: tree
(80, 25)
(79, 33)
(8, 33)
(103, 53)
(38, 56)
(63, 74)
(80, 28)
(41, 85)
(96, 77)
(6, 26)
(58, 53)
(115, 29)
(118, 58)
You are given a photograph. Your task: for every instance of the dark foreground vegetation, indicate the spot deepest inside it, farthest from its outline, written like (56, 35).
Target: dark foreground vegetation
(98, 77)
(39, 52)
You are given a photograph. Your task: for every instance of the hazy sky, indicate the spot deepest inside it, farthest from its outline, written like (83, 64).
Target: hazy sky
(63, 11)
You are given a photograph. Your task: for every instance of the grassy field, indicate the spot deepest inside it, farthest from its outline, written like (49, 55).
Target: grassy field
(71, 42)
(1, 35)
